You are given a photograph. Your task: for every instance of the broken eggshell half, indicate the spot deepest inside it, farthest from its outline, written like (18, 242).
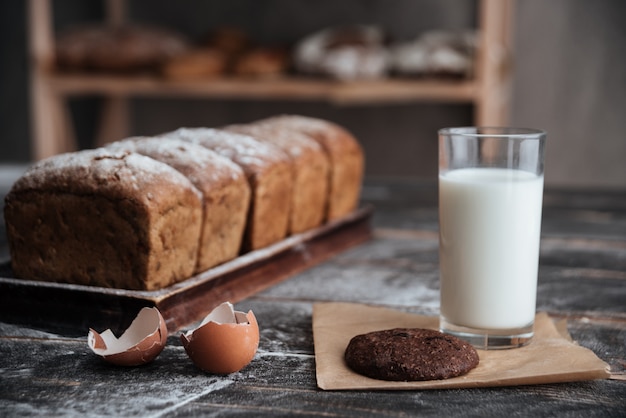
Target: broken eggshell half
(141, 343)
(224, 342)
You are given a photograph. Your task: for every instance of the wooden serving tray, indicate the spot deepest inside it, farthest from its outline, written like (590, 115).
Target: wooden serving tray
(76, 308)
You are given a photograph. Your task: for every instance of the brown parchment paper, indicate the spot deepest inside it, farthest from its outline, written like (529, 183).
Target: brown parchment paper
(551, 357)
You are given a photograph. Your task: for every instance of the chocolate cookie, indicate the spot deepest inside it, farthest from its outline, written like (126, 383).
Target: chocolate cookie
(409, 354)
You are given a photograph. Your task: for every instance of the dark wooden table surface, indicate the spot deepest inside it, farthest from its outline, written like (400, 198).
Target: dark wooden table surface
(51, 372)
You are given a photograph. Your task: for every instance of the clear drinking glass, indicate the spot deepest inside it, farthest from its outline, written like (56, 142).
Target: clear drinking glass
(490, 199)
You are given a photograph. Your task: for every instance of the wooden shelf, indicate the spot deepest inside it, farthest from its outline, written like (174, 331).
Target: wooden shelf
(53, 132)
(297, 88)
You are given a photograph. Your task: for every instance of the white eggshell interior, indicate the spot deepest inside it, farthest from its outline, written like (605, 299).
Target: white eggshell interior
(223, 314)
(241, 317)
(146, 323)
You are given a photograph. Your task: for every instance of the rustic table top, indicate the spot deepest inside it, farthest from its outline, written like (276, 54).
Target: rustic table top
(582, 279)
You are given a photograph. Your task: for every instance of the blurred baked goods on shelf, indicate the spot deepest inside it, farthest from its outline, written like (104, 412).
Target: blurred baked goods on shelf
(436, 54)
(343, 53)
(360, 52)
(247, 57)
(262, 62)
(230, 40)
(117, 49)
(198, 63)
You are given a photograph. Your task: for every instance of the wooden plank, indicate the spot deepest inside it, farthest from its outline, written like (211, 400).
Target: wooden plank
(292, 88)
(581, 283)
(403, 90)
(61, 375)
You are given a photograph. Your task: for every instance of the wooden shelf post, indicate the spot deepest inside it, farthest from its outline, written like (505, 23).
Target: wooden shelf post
(50, 117)
(493, 66)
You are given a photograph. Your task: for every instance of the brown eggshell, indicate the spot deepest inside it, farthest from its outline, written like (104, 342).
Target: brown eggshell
(222, 347)
(141, 343)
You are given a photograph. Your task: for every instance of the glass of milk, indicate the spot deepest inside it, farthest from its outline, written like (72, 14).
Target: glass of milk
(490, 198)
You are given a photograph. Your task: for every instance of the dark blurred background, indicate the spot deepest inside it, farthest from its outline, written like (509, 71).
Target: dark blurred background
(569, 78)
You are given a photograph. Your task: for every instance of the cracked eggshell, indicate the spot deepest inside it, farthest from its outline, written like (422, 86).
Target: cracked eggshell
(225, 342)
(141, 343)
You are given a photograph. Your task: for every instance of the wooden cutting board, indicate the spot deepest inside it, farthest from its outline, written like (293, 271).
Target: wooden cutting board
(75, 308)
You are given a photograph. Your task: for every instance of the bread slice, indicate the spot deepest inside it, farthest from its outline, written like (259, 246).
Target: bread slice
(225, 191)
(345, 154)
(103, 218)
(311, 172)
(270, 175)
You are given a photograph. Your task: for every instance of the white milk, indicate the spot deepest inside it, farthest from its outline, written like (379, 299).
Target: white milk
(490, 221)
